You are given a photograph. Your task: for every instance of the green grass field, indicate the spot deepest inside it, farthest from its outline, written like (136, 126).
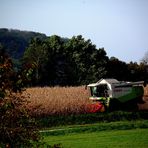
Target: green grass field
(133, 138)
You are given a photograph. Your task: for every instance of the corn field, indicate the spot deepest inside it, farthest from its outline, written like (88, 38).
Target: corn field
(44, 101)
(57, 100)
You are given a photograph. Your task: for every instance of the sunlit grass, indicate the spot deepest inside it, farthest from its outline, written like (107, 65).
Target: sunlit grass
(136, 138)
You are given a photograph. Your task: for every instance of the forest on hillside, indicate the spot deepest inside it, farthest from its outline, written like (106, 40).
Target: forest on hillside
(42, 60)
(15, 41)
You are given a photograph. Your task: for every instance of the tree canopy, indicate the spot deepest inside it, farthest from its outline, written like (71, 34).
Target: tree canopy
(74, 61)
(77, 61)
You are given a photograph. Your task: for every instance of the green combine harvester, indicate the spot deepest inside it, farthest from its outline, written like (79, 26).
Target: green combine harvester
(112, 94)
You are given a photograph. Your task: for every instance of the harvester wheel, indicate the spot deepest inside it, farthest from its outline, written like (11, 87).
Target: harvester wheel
(131, 105)
(140, 100)
(114, 105)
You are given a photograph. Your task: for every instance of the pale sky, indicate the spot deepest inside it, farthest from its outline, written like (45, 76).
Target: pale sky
(120, 26)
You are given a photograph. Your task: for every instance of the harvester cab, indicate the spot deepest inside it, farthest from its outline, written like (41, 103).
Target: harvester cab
(113, 94)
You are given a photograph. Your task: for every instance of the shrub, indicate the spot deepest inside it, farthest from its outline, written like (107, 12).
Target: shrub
(17, 128)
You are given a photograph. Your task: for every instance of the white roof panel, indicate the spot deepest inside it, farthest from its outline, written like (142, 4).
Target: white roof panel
(110, 81)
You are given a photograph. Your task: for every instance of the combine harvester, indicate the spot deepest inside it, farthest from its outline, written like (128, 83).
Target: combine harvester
(110, 94)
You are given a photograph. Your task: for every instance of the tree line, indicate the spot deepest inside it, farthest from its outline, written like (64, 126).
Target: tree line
(76, 61)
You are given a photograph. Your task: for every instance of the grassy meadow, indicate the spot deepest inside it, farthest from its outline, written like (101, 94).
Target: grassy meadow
(136, 138)
(113, 134)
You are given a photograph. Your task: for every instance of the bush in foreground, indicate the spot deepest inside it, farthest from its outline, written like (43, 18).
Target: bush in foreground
(17, 128)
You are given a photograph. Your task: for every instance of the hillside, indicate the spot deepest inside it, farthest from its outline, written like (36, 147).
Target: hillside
(15, 41)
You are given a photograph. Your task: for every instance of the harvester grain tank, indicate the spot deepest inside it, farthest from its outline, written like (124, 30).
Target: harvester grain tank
(113, 94)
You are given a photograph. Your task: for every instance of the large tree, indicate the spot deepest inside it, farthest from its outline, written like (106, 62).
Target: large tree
(36, 55)
(88, 63)
(137, 71)
(117, 69)
(55, 67)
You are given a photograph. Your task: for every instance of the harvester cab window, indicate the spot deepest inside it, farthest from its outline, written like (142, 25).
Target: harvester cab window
(99, 91)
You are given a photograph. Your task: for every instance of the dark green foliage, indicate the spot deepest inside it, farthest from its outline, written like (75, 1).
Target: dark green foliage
(66, 62)
(76, 61)
(137, 72)
(36, 56)
(91, 118)
(126, 71)
(87, 62)
(117, 69)
(56, 65)
(16, 41)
